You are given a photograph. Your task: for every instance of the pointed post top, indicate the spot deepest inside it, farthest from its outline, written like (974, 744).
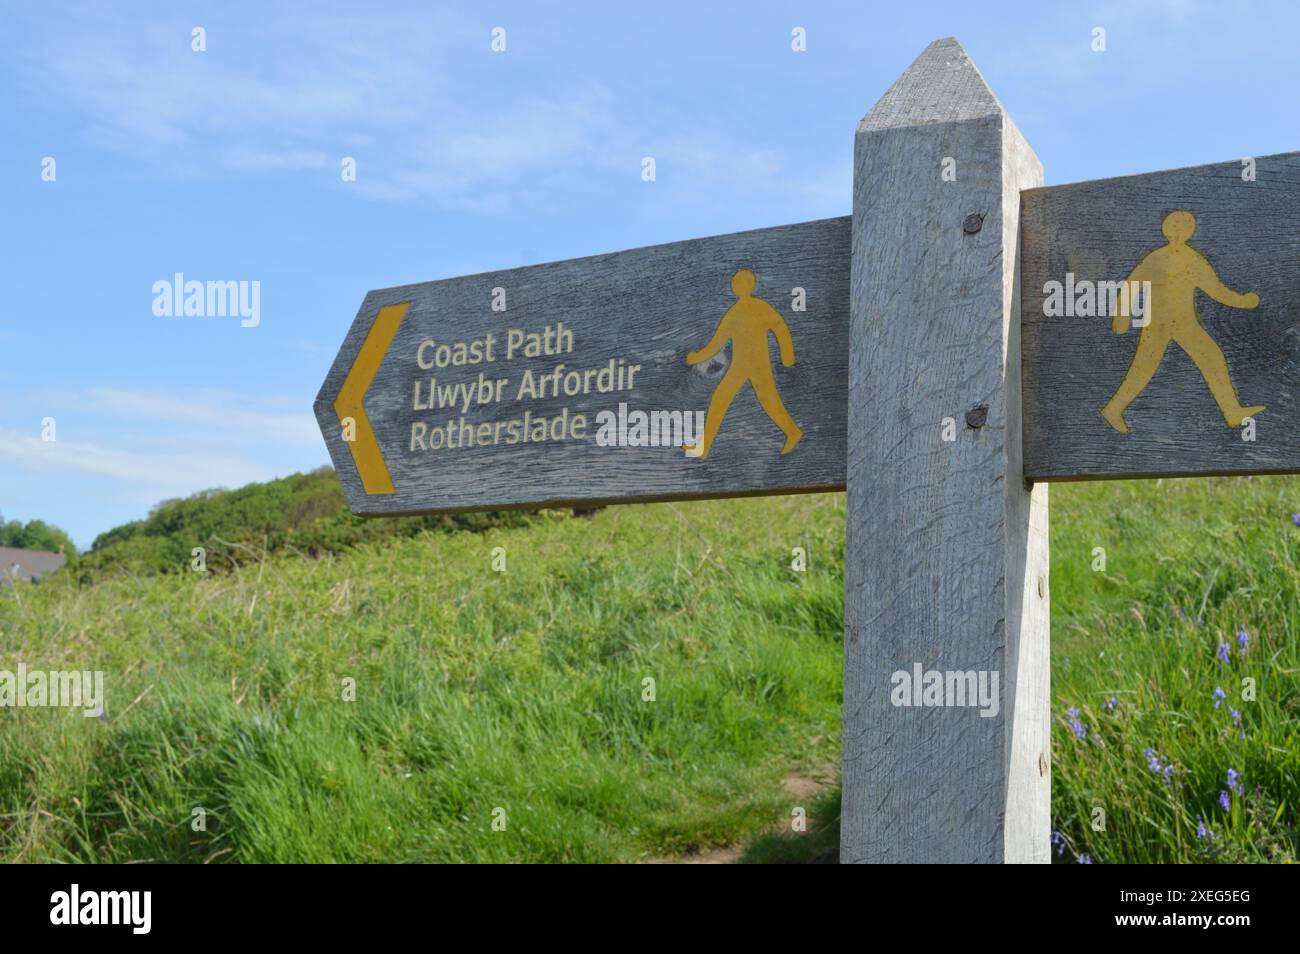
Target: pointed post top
(941, 86)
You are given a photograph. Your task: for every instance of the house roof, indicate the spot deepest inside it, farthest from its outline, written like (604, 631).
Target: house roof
(28, 565)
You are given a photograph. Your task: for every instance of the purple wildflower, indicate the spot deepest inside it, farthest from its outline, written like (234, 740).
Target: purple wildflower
(1158, 765)
(1110, 703)
(1085, 859)
(1243, 638)
(1295, 518)
(1225, 801)
(1059, 840)
(1236, 716)
(1234, 781)
(1202, 832)
(1218, 696)
(1223, 652)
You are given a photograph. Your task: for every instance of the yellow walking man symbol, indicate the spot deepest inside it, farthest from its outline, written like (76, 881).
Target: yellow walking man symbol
(1176, 271)
(746, 325)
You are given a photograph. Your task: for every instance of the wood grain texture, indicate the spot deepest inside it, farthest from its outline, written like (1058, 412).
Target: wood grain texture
(649, 306)
(946, 560)
(1250, 234)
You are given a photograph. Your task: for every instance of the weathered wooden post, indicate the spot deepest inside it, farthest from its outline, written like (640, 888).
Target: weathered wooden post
(946, 607)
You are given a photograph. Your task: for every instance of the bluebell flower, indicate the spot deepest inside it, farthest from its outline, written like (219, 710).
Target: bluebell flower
(1110, 703)
(1202, 832)
(1085, 859)
(1223, 652)
(1234, 781)
(1156, 764)
(1059, 840)
(1225, 801)
(1075, 725)
(1295, 518)
(1218, 696)
(1243, 638)
(1236, 716)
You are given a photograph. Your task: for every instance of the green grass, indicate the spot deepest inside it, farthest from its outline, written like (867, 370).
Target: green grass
(475, 691)
(523, 691)
(1189, 563)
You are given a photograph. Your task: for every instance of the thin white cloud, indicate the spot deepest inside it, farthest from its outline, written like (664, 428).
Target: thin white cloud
(261, 160)
(250, 421)
(343, 88)
(406, 99)
(709, 160)
(1166, 39)
(145, 85)
(486, 160)
(178, 473)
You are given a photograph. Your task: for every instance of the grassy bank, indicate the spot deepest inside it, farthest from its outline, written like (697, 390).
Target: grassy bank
(1200, 592)
(475, 691)
(522, 696)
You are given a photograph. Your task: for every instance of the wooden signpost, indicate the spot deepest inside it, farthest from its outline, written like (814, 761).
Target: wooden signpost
(1219, 249)
(963, 337)
(945, 565)
(582, 381)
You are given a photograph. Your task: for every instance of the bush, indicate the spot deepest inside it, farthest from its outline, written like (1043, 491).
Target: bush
(302, 513)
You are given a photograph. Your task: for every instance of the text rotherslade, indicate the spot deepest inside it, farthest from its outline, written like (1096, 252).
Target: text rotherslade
(457, 385)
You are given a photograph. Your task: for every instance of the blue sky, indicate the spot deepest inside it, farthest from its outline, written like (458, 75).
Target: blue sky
(225, 165)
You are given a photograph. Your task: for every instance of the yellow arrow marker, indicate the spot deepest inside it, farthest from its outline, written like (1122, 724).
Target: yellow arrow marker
(351, 400)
